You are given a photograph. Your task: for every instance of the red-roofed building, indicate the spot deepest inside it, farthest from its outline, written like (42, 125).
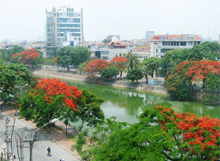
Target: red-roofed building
(162, 43)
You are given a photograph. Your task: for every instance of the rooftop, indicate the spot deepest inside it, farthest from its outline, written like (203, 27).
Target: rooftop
(177, 37)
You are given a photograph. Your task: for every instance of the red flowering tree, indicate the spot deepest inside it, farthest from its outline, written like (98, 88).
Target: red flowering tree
(95, 66)
(29, 57)
(120, 63)
(48, 100)
(162, 134)
(52, 98)
(199, 136)
(180, 81)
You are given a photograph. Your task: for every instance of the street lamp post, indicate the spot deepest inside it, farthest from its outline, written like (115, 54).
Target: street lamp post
(21, 95)
(34, 136)
(29, 135)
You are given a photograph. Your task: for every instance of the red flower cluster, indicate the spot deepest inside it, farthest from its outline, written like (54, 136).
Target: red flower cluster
(29, 57)
(95, 66)
(119, 62)
(198, 69)
(55, 60)
(53, 87)
(203, 132)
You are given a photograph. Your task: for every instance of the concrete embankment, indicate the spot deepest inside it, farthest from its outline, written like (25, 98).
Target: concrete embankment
(140, 86)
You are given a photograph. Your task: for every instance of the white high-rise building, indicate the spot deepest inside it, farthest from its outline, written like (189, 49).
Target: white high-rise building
(63, 27)
(149, 35)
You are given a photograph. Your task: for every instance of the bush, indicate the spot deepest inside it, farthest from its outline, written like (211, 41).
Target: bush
(109, 73)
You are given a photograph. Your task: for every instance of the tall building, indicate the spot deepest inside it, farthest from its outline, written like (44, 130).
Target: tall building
(160, 44)
(64, 27)
(149, 35)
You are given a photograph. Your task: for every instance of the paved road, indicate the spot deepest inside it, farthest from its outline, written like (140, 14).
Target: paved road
(40, 147)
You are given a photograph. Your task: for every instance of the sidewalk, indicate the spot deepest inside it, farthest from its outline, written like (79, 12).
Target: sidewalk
(56, 134)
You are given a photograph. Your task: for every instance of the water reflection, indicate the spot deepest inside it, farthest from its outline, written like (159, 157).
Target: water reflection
(127, 104)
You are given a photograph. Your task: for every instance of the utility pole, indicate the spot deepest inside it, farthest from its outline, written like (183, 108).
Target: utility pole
(21, 148)
(7, 139)
(29, 135)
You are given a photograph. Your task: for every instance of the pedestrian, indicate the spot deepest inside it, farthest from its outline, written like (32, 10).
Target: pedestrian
(48, 150)
(61, 159)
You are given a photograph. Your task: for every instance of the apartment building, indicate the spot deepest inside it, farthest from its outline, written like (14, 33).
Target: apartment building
(64, 27)
(160, 44)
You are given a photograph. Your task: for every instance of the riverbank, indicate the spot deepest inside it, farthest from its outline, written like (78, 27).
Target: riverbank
(123, 83)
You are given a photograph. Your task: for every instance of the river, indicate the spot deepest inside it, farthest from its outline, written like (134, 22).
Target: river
(126, 104)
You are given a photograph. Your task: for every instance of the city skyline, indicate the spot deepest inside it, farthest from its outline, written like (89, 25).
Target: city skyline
(25, 20)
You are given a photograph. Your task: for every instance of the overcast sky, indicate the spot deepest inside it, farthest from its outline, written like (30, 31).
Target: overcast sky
(25, 19)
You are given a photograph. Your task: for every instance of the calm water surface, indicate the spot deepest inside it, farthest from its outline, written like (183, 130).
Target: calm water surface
(126, 104)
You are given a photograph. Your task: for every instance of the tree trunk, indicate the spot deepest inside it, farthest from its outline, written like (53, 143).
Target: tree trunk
(66, 129)
(81, 126)
(146, 77)
(121, 74)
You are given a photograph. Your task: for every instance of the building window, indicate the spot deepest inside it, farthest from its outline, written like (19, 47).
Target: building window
(49, 20)
(62, 19)
(183, 44)
(76, 34)
(104, 52)
(69, 25)
(70, 14)
(105, 58)
(76, 20)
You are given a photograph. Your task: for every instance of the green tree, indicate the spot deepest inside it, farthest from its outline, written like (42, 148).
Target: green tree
(81, 66)
(151, 65)
(162, 134)
(99, 135)
(211, 89)
(206, 50)
(64, 56)
(89, 110)
(50, 99)
(12, 75)
(109, 73)
(79, 55)
(134, 74)
(171, 58)
(132, 61)
(6, 54)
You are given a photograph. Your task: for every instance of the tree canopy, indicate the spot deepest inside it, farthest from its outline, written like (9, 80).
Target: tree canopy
(64, 56)
(132, 62)
(150, 65)
(69, 55)
(48, 100)
(7, 53)
(120, 63)
(95, 66)
(180, 81)
(109, 73)
(134, 74)
(12, 75)
(30, 57)
(162, 134)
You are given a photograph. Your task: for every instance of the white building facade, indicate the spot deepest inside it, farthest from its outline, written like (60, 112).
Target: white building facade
(160, 44)
(64, 27)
